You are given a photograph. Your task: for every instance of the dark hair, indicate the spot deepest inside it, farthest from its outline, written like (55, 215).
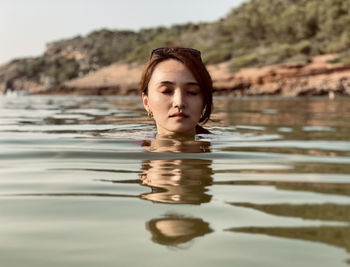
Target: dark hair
(195, 65)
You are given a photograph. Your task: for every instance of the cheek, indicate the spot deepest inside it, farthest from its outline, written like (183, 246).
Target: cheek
(158, 103)
(200, 105)
(154, 99)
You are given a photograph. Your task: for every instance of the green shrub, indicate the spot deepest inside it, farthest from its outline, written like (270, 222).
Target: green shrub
(217, 56)
(343, 58)
(248, 60)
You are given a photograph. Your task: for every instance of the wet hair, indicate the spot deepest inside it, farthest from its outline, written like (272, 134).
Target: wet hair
(194, 64)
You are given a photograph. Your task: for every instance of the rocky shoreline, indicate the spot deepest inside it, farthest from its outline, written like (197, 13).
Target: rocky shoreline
(313, 78)
(316, 77)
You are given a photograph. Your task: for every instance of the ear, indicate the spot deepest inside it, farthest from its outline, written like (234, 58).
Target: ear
(145, 102)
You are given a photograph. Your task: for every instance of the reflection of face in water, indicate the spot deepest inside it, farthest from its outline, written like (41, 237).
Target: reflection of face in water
(176, 144)
(178, 181)
(174, 230)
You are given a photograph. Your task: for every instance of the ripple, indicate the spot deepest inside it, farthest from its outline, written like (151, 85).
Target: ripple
(80, 171)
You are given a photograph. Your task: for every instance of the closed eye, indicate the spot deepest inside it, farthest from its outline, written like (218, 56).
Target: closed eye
(193, 92)
(166, 91)
(193, 89)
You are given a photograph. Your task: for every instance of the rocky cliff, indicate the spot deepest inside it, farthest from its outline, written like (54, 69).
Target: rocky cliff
(317, 77)
(273, 47)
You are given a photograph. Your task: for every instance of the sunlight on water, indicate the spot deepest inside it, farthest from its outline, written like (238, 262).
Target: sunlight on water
(83, 182)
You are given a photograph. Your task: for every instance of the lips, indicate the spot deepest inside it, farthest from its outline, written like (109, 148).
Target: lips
(179, 115)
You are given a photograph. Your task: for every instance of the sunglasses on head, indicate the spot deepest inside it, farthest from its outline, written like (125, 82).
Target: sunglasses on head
(164, 51)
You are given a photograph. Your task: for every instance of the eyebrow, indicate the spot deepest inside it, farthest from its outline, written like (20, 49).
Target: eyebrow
(171, 83)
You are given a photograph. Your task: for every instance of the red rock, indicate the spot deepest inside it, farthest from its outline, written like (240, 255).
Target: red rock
(317, 77)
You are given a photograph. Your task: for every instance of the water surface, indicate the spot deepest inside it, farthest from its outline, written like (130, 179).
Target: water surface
(84, 183)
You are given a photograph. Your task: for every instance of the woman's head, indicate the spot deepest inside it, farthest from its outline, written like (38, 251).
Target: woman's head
(177, 90)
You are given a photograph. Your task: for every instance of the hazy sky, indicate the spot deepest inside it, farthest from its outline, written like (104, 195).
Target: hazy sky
(27, 25)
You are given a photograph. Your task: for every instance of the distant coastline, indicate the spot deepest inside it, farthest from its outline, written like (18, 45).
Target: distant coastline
(317, 77)
(262, 47)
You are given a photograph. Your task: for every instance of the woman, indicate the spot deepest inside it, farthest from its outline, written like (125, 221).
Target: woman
(177, 91)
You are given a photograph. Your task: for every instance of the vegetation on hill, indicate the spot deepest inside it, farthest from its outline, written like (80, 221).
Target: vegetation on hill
(274, 31)
(257, 33)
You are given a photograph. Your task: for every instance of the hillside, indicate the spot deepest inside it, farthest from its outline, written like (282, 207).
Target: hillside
(256, 34)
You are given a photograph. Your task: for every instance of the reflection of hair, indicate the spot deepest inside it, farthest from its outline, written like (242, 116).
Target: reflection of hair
(196, 67)
(195, 228)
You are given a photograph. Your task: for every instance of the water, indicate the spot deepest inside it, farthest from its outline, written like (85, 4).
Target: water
(83, 183)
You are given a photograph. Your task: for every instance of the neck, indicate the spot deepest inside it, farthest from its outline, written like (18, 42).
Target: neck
(177, 136)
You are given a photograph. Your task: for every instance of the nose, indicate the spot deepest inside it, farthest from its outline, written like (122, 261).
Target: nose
(179, 99)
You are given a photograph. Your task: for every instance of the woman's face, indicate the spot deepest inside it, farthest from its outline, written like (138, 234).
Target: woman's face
(174, 98)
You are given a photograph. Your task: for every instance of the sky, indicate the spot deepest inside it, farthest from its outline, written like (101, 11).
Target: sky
(27, 25)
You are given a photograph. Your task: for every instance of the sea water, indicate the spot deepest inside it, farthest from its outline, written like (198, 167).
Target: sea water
(84, 183)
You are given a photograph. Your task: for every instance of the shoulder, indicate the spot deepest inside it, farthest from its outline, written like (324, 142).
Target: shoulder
(201, 130)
